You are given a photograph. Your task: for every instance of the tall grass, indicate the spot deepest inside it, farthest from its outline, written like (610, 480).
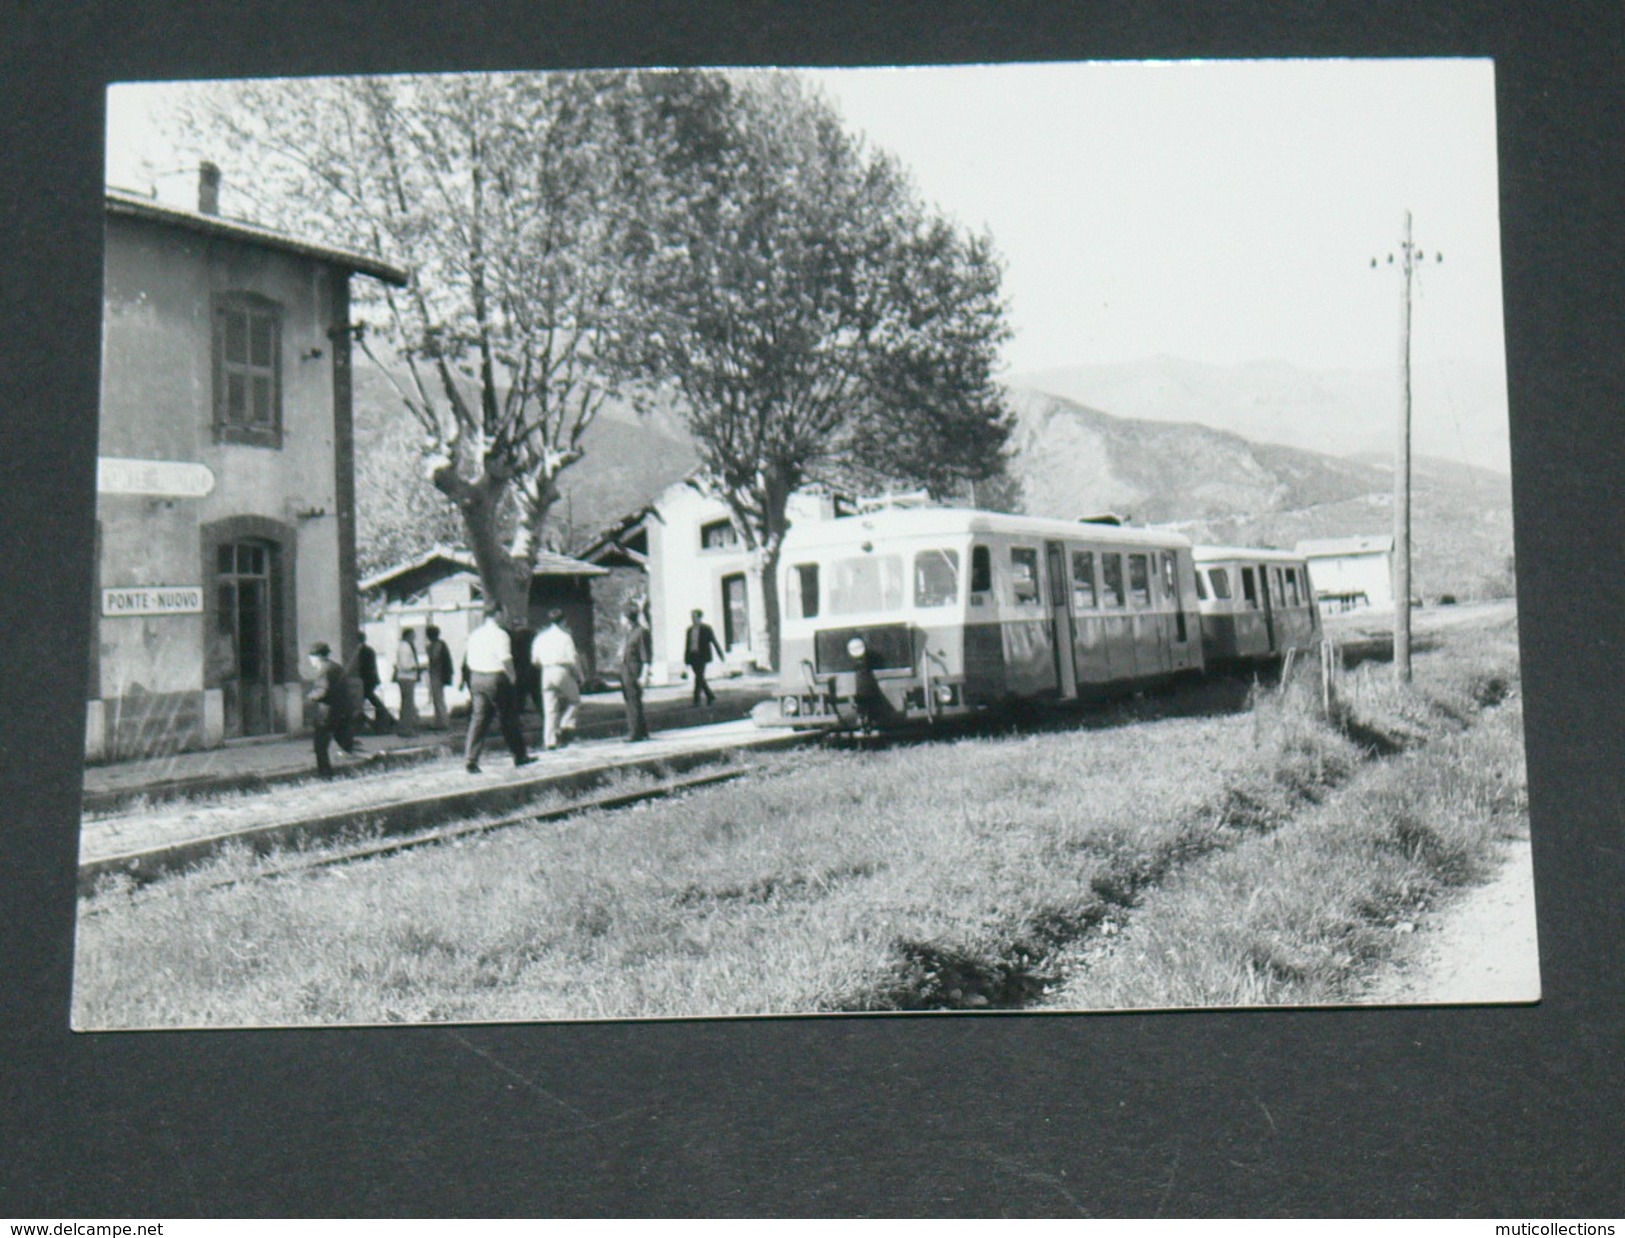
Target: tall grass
(950, 875)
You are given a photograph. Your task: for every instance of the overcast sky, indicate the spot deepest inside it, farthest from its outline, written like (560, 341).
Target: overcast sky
(1218, 211)
(1215, 211)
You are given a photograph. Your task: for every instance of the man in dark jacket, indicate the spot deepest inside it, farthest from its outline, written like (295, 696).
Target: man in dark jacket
(634, 660)
(697, 647)
(437, 656)
(333, 713)
(366, 669)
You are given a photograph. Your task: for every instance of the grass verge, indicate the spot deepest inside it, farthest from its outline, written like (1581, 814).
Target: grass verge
(961, 875)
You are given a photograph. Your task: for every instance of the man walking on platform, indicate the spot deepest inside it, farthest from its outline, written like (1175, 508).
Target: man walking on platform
(559, 664)
(634, 659)
(494, 689)
(697, 647)
(366, 669)
(333, 711)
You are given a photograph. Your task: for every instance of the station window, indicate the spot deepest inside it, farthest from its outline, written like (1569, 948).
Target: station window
(981, 569)
(803, 591)
(1249, 589)
(719, 535)
(1220, 576)
(936, 578)
(1083, 580)
(1111, 578)
(248, 370)
(1024, 575)
(1139, 580)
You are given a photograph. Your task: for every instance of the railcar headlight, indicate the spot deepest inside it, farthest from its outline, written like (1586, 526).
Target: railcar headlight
(945, 693)
(791, 706)
(856, 648)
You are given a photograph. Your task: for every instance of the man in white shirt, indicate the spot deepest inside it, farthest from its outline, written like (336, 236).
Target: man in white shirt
(554, 654)
(493, 688)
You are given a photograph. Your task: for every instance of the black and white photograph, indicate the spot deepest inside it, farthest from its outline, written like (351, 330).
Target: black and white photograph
(689, 543)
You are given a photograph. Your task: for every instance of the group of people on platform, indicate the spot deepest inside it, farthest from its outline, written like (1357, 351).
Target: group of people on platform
(549, 670)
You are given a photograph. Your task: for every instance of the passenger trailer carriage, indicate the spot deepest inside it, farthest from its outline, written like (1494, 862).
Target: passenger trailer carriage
(1257, 605)
(908, 616)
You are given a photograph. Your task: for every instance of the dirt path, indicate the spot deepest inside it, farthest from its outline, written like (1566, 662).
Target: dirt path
(1479, 947)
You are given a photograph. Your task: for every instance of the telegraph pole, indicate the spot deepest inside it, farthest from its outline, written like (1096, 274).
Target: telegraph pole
(1411, 258)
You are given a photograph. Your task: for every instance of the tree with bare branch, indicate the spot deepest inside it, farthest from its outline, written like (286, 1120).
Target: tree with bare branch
(518, 203)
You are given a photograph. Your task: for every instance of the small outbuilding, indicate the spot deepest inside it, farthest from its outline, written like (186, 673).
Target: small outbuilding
(1351, 573)
(442, 587)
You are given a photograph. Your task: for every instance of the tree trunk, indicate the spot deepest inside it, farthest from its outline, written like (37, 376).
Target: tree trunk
(763, 581)
(506, 579)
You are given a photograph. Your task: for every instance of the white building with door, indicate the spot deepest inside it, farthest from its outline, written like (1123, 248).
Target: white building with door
(687, 544)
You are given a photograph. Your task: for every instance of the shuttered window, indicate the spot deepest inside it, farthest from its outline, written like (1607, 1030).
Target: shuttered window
(248, 370)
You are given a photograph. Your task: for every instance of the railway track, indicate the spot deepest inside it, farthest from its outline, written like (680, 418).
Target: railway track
(393, 845)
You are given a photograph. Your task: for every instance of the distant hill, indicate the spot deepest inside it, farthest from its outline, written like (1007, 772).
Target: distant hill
(1067, 458)
(1071, 461)
(1459, 411)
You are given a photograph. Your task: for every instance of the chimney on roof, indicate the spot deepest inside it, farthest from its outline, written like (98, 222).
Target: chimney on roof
(208, 188)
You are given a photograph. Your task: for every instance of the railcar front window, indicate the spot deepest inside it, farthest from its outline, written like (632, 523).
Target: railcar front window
(1220, 576)
(1083, 580)
(865, 583)
(1024, 575)
(1292, 587)
(1139, 580)
(1201, 589)
(803, 591)
(936, 578)
(1111, 574)
(1249, 590)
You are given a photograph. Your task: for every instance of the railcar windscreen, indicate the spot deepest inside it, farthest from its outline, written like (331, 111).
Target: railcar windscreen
(865, 583)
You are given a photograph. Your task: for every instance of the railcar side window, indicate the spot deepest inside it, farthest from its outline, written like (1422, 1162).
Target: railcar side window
(936, 578)
(1169, 590)
(1111, 575)
(1292, 587)
(1083, 580)
(803, 591)
(1139, 580)
(1024, 574)
(1280, 588)
(1249, 590)
(1220, 576)
(864, 583)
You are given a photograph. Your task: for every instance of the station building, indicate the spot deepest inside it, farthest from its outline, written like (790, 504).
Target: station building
(225, 514)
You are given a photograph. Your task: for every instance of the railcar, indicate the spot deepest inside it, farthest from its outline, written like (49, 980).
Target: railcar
(1256, 604)
(916, 616)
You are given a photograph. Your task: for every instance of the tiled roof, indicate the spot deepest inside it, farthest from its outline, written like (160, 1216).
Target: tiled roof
(134, 206)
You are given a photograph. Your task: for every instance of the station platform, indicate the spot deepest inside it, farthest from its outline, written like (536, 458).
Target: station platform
(257, 764)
